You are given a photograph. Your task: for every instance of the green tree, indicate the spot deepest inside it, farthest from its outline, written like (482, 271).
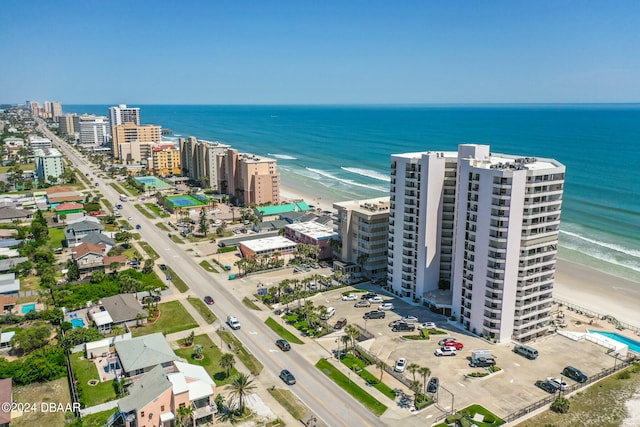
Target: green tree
(204, 225)
(73, 273)
(227, 362)
(380, 365)
(29, 339)
(424, 372)
(184, 416)
(148, 266)
(413, 368)
(561, 405)
(241, 387)
(352, 332)
(197, 352)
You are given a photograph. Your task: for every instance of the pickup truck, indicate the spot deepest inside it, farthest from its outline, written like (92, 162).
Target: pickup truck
(233, 322)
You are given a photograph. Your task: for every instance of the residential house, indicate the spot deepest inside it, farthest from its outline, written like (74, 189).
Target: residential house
(10, 214)
(89, 257)
(9, 288)
(5, 341)
(99, 239)
(124, 309)
(157, 397)
(11, 263)
(60, 194)
(6, 395)
(70, 210)
(140, 355)
(76, 231)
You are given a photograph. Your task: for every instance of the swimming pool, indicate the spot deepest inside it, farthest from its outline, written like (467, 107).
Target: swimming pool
(77, 323)
(185, 201)
(632, 344)
(152, 182)
(27, 308)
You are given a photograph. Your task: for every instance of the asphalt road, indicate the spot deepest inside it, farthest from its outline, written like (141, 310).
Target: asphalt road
(328, 402)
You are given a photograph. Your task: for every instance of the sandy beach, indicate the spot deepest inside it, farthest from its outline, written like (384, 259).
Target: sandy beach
(575, 283)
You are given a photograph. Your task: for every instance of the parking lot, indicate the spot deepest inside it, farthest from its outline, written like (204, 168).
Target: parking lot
(504, 392)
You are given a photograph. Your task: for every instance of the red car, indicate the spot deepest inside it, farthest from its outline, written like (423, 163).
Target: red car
(208, 300)
(455, 344)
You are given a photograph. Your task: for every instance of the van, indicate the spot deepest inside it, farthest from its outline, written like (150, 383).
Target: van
(526, 351)
(329, 313)
(574, 374)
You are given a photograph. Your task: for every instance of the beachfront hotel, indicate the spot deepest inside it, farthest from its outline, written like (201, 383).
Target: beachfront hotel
(475, 234)
(363, 227)
(128, 133)
(122, 114)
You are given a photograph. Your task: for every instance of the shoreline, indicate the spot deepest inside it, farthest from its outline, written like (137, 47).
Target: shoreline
(578, 284)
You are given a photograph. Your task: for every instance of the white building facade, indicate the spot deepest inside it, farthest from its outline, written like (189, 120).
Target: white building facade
(123, 114)
(480, 231)
(49, 166)
(93, 130)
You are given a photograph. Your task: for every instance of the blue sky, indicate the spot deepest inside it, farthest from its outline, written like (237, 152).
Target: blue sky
(319, 52)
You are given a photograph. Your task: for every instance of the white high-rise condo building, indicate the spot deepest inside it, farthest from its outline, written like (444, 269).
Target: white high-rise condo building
(93, 130)
(475, 234)
(122, 114)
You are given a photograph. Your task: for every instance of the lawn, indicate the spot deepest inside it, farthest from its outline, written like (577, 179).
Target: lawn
(464, 417)
(176, 239)
(56, 236)
(248, 359)
(289, 402)
(84, 371)
(96, 420)
(602, 404)
(149, 250)
(53, 391)
(176, 280)
(107, 204)
(246, 301)
(359, 367)
(282, 331)
(173, 318)
(208, 267)
(163, 227)
(211, 361)
(118, 188)
(350, 387)
(144, 211)
(25, 167)
(203, 309)
(156, 210)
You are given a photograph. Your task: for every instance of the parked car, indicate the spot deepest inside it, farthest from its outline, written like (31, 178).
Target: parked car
(163, 266)
(455, 344)
(432, 387)
(446, 351)
(374, 315)
(350, 297)
(402, 327)
(400, 365)
(444, 340)
(410, 319)
(558, 383)
(287, 377)
(428, 325)
(575, 374)
(151, 298)
(386, 306)
(376, 300)
(482, 362)
(283, 345)
(368, 295)
(341, 323)
(233, 322)
(209, 300)
(362, 303)
(547, 386)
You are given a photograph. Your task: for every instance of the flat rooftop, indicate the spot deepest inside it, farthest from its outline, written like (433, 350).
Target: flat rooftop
(313, 229)
(268, 243)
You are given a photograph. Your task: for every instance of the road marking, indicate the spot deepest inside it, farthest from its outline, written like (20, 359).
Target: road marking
(516, 364)
(253, 333)
(273, 350)
(461, 385)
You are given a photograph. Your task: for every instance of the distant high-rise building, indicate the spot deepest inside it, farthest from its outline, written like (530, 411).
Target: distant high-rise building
(52, 110)
(67, 125)
(363, 227)
(203, 162)
(93, 130)
(122, 114)
(258, 180)
(48, 165)
(129, 132)
(475, 234)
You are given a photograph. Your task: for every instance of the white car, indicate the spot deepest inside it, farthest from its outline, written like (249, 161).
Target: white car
(130, 218)
(446, 351)
(410, 319)
(428, 325)
(400, 365)
(350, 297)
(376, 299)
(386, 306)
(558, 383)
(233, 322)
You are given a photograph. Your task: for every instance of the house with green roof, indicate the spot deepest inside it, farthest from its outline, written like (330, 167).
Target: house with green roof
(268, 213)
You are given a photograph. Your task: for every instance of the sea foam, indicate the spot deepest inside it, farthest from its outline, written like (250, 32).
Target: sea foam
(282, 156)
(368, 173)
(347, 181)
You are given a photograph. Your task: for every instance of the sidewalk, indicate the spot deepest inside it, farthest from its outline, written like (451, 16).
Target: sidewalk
(99, 408)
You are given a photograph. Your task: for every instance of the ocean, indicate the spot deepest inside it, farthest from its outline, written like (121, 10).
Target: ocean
(343, 153)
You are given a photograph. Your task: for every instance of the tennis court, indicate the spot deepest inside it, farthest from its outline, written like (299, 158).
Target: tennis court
(152, 182)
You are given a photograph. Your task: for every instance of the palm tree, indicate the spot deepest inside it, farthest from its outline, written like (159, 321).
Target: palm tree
(227, 362)
(352, 332)
(413, 368)
(197, 352)
(345, 340)
(415, 387)
(241, 387)
(184, 416)
(425, 372)
(380, 365)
